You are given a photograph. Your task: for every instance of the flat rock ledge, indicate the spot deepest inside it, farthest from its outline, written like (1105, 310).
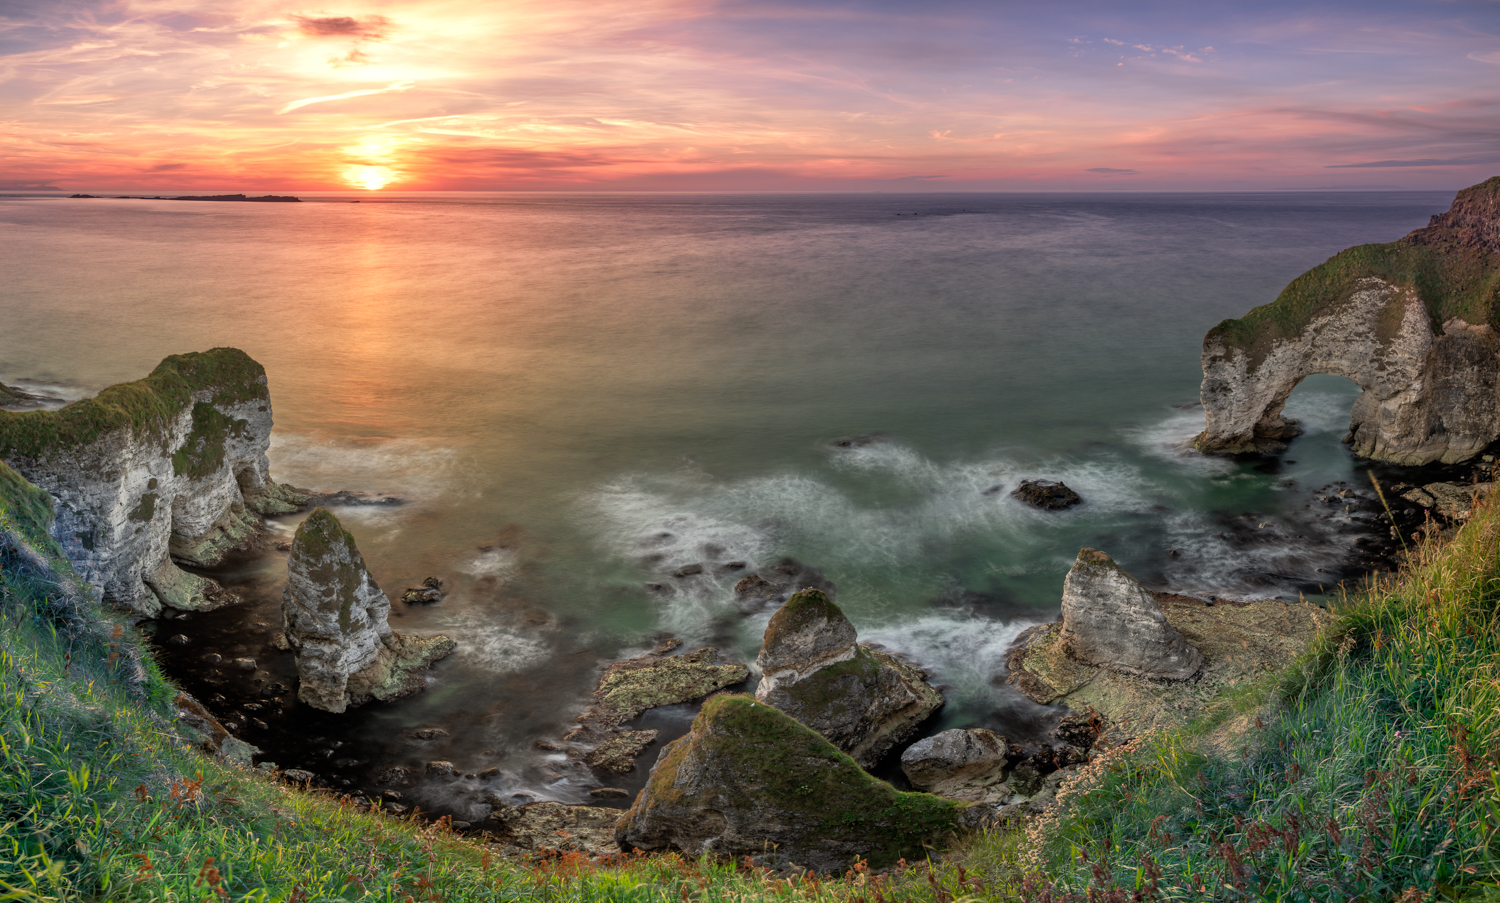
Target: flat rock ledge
(1239, 641)
(748, 781)
(1453, 502)
(628, 688)
(336, 621)
(863, 700)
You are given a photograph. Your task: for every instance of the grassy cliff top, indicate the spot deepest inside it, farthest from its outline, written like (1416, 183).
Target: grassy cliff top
(1453, 264)
(144, 406)
(805, 608)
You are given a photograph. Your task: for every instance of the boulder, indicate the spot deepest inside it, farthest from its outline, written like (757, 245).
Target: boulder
(336, 623)
(748, 781)
(954, 761)
(1049, 495)
(1110, 620)
(1412, 323)
(170, 469)
(862, 700)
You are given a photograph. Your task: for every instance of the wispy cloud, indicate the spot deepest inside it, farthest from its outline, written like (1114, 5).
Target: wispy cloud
(1105, 170)
(367, 92)
(1396, 164)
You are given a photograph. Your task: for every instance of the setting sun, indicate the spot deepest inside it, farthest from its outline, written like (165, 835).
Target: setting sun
(370, 178)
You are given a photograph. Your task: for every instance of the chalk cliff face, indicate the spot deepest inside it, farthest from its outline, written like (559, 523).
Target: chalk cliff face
(172, 468)
(336, 621)
(1412, 323)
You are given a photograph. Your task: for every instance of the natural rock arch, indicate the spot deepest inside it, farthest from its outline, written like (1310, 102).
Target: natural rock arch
(1410, 322)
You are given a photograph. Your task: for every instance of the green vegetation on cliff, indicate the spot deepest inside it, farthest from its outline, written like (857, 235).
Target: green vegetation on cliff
(1453, 271)
(145, 407)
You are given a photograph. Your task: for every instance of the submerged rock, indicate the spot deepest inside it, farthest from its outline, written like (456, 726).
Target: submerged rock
(1110, 620)
(336, 622)
(1049, 495)
(748, 781)
(1411, 322)
(863, 700)
(170, 469)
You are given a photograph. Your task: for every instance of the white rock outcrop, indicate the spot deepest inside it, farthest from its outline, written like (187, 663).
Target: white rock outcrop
(336, 622)
(169, 469)
(1412, 323)
(1110, 620)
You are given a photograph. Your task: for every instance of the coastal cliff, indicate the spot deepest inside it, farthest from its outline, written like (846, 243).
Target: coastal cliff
(146, 475)
(1412, 323)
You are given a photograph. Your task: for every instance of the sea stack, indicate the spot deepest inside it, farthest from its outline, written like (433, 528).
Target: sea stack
(1110, 620)
(336, 621)
(1413, 323)
(863, 700)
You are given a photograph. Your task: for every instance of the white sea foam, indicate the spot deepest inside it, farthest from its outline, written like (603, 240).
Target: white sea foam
(487, 642)
(1170, 439)
(410, 468)
(496, 563)
(963, 652)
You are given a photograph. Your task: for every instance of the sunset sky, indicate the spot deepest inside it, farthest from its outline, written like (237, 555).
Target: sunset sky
(264, 95)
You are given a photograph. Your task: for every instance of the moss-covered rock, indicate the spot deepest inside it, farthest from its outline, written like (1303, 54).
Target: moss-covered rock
(862, 700)
(1412, 322)
(336, 621)
(748, 780)
(631, 687)
(169, 469)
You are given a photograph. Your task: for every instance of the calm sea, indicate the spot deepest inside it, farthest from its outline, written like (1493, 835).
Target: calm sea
(582, 394)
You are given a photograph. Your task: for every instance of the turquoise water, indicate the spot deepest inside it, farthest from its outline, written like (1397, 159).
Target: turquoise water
(598, 390)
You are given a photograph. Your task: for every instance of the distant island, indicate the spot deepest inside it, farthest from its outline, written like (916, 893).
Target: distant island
(199, 197)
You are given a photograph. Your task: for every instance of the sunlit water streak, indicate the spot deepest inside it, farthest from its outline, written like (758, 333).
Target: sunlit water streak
(579, 395)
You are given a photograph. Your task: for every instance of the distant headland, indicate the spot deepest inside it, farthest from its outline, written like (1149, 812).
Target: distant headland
(274, 198)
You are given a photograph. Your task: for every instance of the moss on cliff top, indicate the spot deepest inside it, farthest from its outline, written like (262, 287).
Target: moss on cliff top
(146, 406)
(9, 395)
(771, 762)
(1448, 264)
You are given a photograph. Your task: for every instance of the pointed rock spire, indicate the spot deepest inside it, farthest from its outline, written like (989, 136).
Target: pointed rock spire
(1110, 620)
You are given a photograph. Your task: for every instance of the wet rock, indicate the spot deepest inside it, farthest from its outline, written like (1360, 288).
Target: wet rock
(862, 700)
(213, 658)
(336, 623)
(616, 754)
(535, 827)
(487, 773)
(628, 688)
(395, 775)
(441, 768)
(748, 781)
(428, 733)
(244, 664)
(609, 793)
(1110, 620)
(955, 762)
(272, 691)
(1049, 495)
(1453, 502)
(421, 596)
(691, 570)
(299, 776)
(178, 639)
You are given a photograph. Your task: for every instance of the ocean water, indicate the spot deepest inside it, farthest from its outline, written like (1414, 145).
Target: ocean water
(579, 394)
